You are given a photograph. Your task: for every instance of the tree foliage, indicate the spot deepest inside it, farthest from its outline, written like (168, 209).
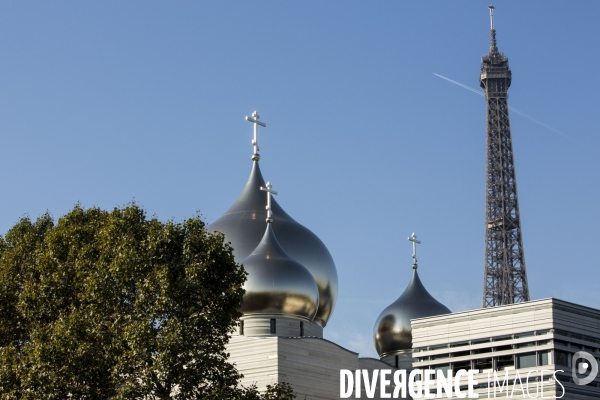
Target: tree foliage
(115, 305)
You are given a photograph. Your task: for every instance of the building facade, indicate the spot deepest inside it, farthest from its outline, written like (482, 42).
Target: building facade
(536, 340)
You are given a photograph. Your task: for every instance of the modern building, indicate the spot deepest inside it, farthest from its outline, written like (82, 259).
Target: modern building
(535, 340)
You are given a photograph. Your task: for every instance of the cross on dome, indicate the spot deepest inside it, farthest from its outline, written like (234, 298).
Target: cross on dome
(255, 120)
(413, 239)
(270, 191)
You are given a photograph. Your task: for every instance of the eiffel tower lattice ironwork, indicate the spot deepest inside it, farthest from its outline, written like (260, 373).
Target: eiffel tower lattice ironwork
(505, 280)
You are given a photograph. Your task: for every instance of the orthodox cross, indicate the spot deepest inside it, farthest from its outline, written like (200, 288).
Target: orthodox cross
(413, 238)
(254, 119)
(270, 191)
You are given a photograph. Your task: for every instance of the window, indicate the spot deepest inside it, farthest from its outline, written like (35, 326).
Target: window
(503, 348)
(396, 361)
(242, 328)
(444, 368)
(544, 358)
(483, 364)
(301, 328)
(507, 362)
(461, 353)
(561, 358)
(524, 334)
(459, 344)
(460, 365)
(528, 344)
(527, 360)
(273, 326)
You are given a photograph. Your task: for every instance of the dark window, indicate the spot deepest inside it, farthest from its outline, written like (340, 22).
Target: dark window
(524, 334)
(528, 344)
(460, 365)
(439, 356)
(273, 330)
(458, 344)
(562, 358)
(504, 362)
(301, 328)
(461, 353)
(396, 361)
(443, 346)
(242, 328)
(561, 332)
(503, 348)
(483, 364)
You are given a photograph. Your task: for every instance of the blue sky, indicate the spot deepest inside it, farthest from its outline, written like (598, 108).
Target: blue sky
(107, 102)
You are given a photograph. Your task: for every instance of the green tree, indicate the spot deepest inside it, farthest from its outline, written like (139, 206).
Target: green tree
(115, 305)
(279, 391)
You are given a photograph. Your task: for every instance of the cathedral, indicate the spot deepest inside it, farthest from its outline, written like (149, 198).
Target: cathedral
(518, 348)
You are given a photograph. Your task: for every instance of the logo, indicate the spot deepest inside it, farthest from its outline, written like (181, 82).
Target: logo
(581, 367)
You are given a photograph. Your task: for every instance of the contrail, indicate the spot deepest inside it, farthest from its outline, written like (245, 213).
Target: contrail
(461, 85)
(521, 113)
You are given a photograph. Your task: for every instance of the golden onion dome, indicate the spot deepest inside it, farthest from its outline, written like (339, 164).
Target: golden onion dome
(276, 283)
(392, 330)
(243, 226)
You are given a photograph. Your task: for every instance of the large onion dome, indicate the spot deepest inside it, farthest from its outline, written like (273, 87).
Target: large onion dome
(393, 331)
(276, 283)
(243, 226)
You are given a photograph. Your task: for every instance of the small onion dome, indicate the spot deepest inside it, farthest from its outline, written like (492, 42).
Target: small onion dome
(393, 331)
(276, 283)
(243, 225)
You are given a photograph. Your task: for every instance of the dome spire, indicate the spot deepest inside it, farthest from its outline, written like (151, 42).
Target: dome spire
(254, 119)
(493, 46)
(270, 192)
(415, 242)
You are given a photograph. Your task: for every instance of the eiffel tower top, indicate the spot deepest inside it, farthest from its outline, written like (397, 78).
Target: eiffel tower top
(494, 64)
(494, 56)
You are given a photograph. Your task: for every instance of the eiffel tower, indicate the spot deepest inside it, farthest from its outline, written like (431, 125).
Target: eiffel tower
(505, 279)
